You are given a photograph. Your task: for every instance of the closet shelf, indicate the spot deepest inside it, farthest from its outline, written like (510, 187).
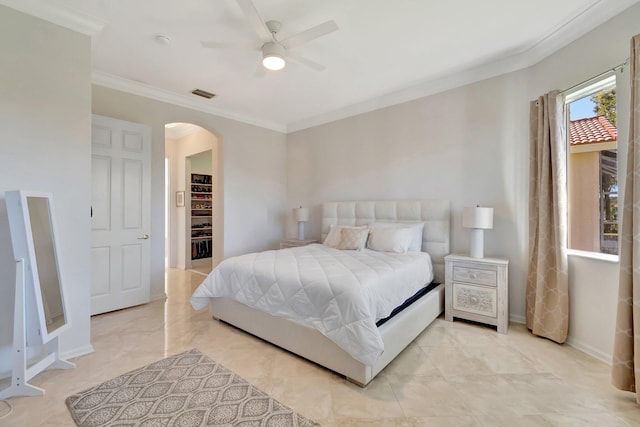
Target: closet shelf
(201, 216)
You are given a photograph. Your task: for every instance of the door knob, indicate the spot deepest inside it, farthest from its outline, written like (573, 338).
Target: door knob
(144, 237)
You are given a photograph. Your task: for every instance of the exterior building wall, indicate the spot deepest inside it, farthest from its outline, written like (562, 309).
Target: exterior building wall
(584, 206)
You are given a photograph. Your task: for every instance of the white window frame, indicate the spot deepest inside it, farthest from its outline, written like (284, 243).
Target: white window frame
(604, 81)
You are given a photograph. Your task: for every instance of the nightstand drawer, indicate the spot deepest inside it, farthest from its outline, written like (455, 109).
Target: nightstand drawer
(475, 275)
(475, 299)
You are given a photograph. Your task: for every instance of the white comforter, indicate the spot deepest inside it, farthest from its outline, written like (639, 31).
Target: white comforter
(340, 293)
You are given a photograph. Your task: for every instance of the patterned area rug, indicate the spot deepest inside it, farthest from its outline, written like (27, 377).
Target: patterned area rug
(185, 390)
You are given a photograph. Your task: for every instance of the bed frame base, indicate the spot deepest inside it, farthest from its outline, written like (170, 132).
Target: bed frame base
(306, 342)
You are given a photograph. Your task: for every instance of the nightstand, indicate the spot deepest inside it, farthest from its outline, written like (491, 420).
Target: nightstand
(292, 243)
(477, 289)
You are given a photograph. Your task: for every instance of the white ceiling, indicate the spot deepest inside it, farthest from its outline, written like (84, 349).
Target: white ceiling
(384, 52)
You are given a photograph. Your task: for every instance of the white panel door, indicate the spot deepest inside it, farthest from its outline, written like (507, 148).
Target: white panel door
(121, 217)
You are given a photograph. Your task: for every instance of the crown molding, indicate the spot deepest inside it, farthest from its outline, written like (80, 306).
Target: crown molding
(594, 15)
(420, 90)
(118, 83)
(85, 24)
(58, 15)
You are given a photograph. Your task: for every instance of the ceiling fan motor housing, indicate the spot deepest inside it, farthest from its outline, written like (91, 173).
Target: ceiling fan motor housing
(273, 26)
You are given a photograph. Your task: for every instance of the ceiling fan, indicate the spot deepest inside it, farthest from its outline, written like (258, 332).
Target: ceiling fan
(275, 52)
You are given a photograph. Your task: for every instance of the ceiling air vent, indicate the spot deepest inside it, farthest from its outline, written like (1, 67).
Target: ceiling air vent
(203, 93)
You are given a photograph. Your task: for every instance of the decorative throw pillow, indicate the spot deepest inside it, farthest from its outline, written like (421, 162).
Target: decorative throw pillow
(415, 228)
(333, 237)
(390, 239)
(353, 238)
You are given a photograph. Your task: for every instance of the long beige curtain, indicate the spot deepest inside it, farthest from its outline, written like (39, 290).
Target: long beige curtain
(626, 352)
(547, 282)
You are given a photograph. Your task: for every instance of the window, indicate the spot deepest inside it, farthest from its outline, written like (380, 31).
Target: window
(593, 167)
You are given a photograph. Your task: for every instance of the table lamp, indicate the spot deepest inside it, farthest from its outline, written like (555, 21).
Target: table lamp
(477, 219)
(301, 215)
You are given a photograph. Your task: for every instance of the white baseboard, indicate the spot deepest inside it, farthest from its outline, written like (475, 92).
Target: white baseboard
(577, 344)
(157, 296)
(198, 272)
(585, 348)
(516, 318)
(77, 352)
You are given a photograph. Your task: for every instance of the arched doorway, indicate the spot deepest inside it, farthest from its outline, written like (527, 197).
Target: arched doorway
(194, 197)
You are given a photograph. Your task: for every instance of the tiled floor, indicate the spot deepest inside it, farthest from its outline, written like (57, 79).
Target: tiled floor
(454, 374)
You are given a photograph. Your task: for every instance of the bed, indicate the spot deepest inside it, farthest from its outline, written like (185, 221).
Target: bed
(389, 337)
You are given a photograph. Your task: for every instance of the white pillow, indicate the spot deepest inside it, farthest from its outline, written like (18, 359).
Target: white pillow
(390, 239)
(415, 228)
(333, 237)
(353, 238)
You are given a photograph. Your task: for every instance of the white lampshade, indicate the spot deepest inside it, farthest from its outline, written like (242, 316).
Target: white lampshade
(301, 214)
(477, 217)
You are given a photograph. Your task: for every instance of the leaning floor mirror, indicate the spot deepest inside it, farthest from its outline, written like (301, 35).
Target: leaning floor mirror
(40, 314)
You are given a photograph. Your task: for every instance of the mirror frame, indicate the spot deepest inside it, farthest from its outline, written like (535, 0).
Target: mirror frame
(24, 248)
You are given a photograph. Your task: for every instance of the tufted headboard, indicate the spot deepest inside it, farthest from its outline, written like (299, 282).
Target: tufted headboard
(434, 213)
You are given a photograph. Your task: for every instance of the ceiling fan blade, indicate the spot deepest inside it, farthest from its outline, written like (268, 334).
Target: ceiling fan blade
(256, 21)
(307, 62)
(310, 34)
(260, 70)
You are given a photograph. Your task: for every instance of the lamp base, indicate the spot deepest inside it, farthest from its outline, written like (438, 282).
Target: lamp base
(300, 230)
(476, 248)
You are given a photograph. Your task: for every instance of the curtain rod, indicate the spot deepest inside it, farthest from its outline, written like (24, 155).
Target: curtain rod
(597, 77)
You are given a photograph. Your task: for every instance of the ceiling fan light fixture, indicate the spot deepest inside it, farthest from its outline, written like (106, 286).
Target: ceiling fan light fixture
(273, 56)
(273, 62)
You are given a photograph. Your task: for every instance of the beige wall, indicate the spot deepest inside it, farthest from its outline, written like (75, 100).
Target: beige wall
(46, 104)
(45, 133)
(202, 162)
(177, 150)
(593, 283)
(470, 145)
(254, 175)
(584, 205)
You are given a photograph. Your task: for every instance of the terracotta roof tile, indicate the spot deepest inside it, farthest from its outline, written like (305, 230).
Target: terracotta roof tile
(592, 130)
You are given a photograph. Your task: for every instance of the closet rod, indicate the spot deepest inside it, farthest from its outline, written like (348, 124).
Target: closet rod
(599, 76)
